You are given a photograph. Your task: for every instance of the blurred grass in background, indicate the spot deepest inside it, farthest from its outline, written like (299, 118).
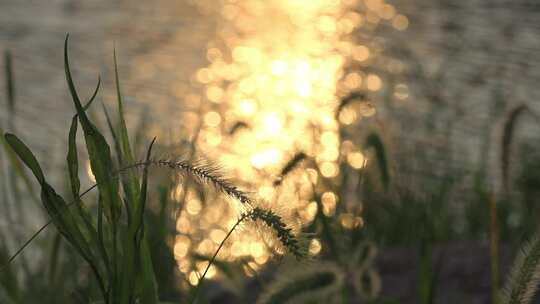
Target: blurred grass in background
(445, 200)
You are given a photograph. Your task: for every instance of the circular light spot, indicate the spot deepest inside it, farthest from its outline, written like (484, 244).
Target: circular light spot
(356, 160)
(193, 206)
(212, 119)
(374, 82)
(214, 94)
(315, 247)
(329, 169)
(193, 278)
(400, 22)
(360, 53)
(366, 109)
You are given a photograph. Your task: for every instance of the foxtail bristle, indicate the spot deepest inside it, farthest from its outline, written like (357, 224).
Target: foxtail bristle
(202, 171)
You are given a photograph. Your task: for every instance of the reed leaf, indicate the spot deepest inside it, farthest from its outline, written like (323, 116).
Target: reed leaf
(98, 150)
(136, 250)
(17, 167)
(129, 180)
(26, 156)
(64, 220)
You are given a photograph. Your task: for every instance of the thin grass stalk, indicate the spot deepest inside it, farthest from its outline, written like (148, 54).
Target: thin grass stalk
(241, 219)
(21, 249)
(272, 221)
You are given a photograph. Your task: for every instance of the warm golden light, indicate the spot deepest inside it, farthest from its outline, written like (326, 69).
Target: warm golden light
(276, 74)
(315, 247)
(356, 160)
(400, 22)
(89, 172)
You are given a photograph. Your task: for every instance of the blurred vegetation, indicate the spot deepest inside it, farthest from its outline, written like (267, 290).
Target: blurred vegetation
(125, 265)
(394, 213)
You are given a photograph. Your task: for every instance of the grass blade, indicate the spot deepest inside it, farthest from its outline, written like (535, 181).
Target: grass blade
(129, 180)
(149, 290)
(25, 155)
(98, 151)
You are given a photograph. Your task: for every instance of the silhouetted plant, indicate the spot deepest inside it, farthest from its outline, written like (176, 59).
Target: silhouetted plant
(114, 240)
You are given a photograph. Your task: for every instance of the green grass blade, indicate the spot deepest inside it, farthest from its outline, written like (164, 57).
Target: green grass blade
(124, 138)
(52, 201)
(136, 249)
(130, 181)
(25, 155)
(94, 95)
(149, 288)
(98, 151)
(72, 160)
(83, 216)
(18, 168)
(116, 142)
(147, 277)
(55, 205)
(139, 221)
(149, 293)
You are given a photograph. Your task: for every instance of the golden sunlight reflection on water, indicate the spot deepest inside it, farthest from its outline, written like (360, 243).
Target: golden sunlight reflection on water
(276, 74)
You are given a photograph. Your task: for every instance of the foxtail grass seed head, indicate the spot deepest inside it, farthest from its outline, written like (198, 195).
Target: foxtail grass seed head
(204, 172)
(284, 233)
(525, 274)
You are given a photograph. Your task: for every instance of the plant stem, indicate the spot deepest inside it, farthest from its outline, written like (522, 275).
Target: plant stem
(215, 255)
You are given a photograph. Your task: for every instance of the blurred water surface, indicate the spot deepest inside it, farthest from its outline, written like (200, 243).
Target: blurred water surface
(155, 43)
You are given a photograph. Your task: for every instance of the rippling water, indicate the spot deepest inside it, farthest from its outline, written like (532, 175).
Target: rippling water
(147, 38)
(262, 79)
(257, 82)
